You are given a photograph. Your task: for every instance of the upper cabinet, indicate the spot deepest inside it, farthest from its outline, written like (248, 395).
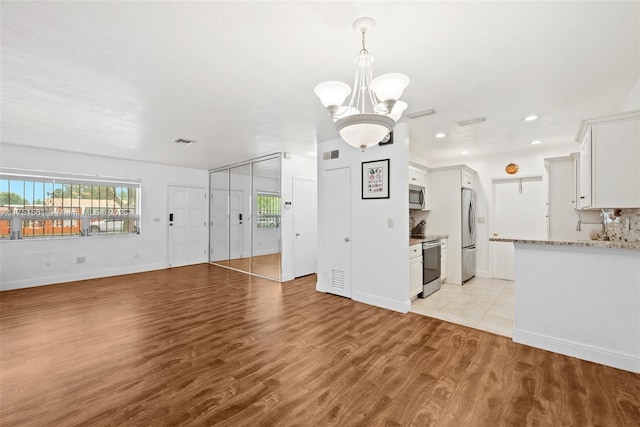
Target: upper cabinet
(422, 177)
(468, 177)
(609, 167)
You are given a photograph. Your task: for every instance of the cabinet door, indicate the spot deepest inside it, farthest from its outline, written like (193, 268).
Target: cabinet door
(584, 180)
(415, 276)
(468, 179)
(413, 176)
(615, 157)
(427, 191)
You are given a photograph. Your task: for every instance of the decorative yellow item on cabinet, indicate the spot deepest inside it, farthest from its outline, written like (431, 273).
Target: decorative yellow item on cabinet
(511, 168)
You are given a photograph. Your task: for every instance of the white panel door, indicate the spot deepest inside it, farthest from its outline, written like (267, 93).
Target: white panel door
(336, 209)
(519, 212)
(305, 226)
(187, 226)
(219, 225)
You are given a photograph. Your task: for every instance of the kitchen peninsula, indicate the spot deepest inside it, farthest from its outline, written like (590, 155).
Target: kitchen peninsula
(580, 299)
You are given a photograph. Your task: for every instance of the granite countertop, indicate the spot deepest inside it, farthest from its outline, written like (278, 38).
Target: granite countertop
(607, 244)
(417, 241)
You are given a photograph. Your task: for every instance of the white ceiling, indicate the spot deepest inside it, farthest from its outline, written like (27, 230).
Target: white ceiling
(124, 79)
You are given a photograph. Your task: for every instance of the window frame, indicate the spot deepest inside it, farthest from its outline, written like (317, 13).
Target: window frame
(73, 219)
(271, 212)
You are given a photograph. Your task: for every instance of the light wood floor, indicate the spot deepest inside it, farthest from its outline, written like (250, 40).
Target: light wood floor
(203, 345)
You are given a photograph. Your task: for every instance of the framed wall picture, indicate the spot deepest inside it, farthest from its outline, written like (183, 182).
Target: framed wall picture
(375, 179)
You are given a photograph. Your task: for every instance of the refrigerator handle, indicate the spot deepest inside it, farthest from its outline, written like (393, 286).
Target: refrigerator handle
(472, 216)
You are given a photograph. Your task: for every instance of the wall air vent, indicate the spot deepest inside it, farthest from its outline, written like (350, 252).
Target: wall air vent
(328, 155)
(184, 141)
(337, 279)
(471, 121)
(427, 112)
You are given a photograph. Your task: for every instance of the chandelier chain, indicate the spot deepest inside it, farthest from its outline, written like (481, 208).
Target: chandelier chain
(364, 43)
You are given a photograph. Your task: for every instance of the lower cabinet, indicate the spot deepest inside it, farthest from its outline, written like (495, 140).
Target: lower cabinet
(415, 270)
(443, 259)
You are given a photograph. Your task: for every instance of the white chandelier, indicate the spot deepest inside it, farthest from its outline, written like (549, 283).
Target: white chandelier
(355, 125)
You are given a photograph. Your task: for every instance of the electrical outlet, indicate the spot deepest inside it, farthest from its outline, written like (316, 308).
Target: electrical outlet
(389, 222)
(81, 260)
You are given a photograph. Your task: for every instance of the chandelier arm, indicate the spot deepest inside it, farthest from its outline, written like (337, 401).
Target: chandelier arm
(354, 94)
(372, 96)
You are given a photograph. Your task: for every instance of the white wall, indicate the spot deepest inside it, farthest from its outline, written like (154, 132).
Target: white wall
(632, 100)
(579, 301)
(25, 263)
(379, 254)
(295, 167)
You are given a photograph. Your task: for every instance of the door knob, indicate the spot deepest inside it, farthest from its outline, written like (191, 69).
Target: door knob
(346, 239)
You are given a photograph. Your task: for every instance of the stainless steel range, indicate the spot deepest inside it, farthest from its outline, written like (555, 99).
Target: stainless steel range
(431, 267)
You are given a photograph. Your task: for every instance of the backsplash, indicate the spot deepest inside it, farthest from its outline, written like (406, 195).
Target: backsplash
(626, 226)
(415, 216)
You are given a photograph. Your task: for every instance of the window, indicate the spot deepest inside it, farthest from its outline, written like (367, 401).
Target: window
(268, 211)
(38, 206)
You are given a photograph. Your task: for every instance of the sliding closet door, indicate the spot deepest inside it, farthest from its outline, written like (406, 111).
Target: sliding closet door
(240, 217)
(245, 212)
(219, 214)
(265, 247)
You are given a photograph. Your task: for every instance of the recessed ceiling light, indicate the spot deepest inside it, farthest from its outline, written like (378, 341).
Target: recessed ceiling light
(530, 118)
(440, 135)
(537, 141)
(464, 152)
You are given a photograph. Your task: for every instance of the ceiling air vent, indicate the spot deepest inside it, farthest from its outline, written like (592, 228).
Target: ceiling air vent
(427, 112)
(471, 121)
(184, 141)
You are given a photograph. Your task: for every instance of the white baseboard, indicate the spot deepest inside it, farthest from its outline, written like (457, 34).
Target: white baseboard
(286, 277)
(389, 304)
(63, 278)
(603, 356)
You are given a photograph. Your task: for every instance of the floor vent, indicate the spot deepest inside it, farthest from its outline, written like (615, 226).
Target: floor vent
(328, 155)
(337, 279)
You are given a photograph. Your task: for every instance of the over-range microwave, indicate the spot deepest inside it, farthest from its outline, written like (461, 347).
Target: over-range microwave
(416, 196)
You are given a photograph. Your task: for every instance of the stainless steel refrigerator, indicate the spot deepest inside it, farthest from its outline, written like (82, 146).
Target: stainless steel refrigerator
(468, 234)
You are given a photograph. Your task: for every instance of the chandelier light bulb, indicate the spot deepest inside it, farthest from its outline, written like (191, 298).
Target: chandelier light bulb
(332, 94)
(389, 87)
(397, 110)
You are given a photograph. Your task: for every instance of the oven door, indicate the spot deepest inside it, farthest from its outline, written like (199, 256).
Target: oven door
(431, 261)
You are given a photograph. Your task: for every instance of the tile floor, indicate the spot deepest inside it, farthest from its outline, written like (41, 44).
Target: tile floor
(485, 304)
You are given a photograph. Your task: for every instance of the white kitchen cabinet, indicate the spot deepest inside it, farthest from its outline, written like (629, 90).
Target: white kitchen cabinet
(609, 174)
(443, 259)
(415, 270)
(561, 201)
(584, 173)
(468, 177)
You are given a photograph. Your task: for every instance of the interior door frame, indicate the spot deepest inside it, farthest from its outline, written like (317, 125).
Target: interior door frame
(207, 213)
(295, 217)
(492, 214)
